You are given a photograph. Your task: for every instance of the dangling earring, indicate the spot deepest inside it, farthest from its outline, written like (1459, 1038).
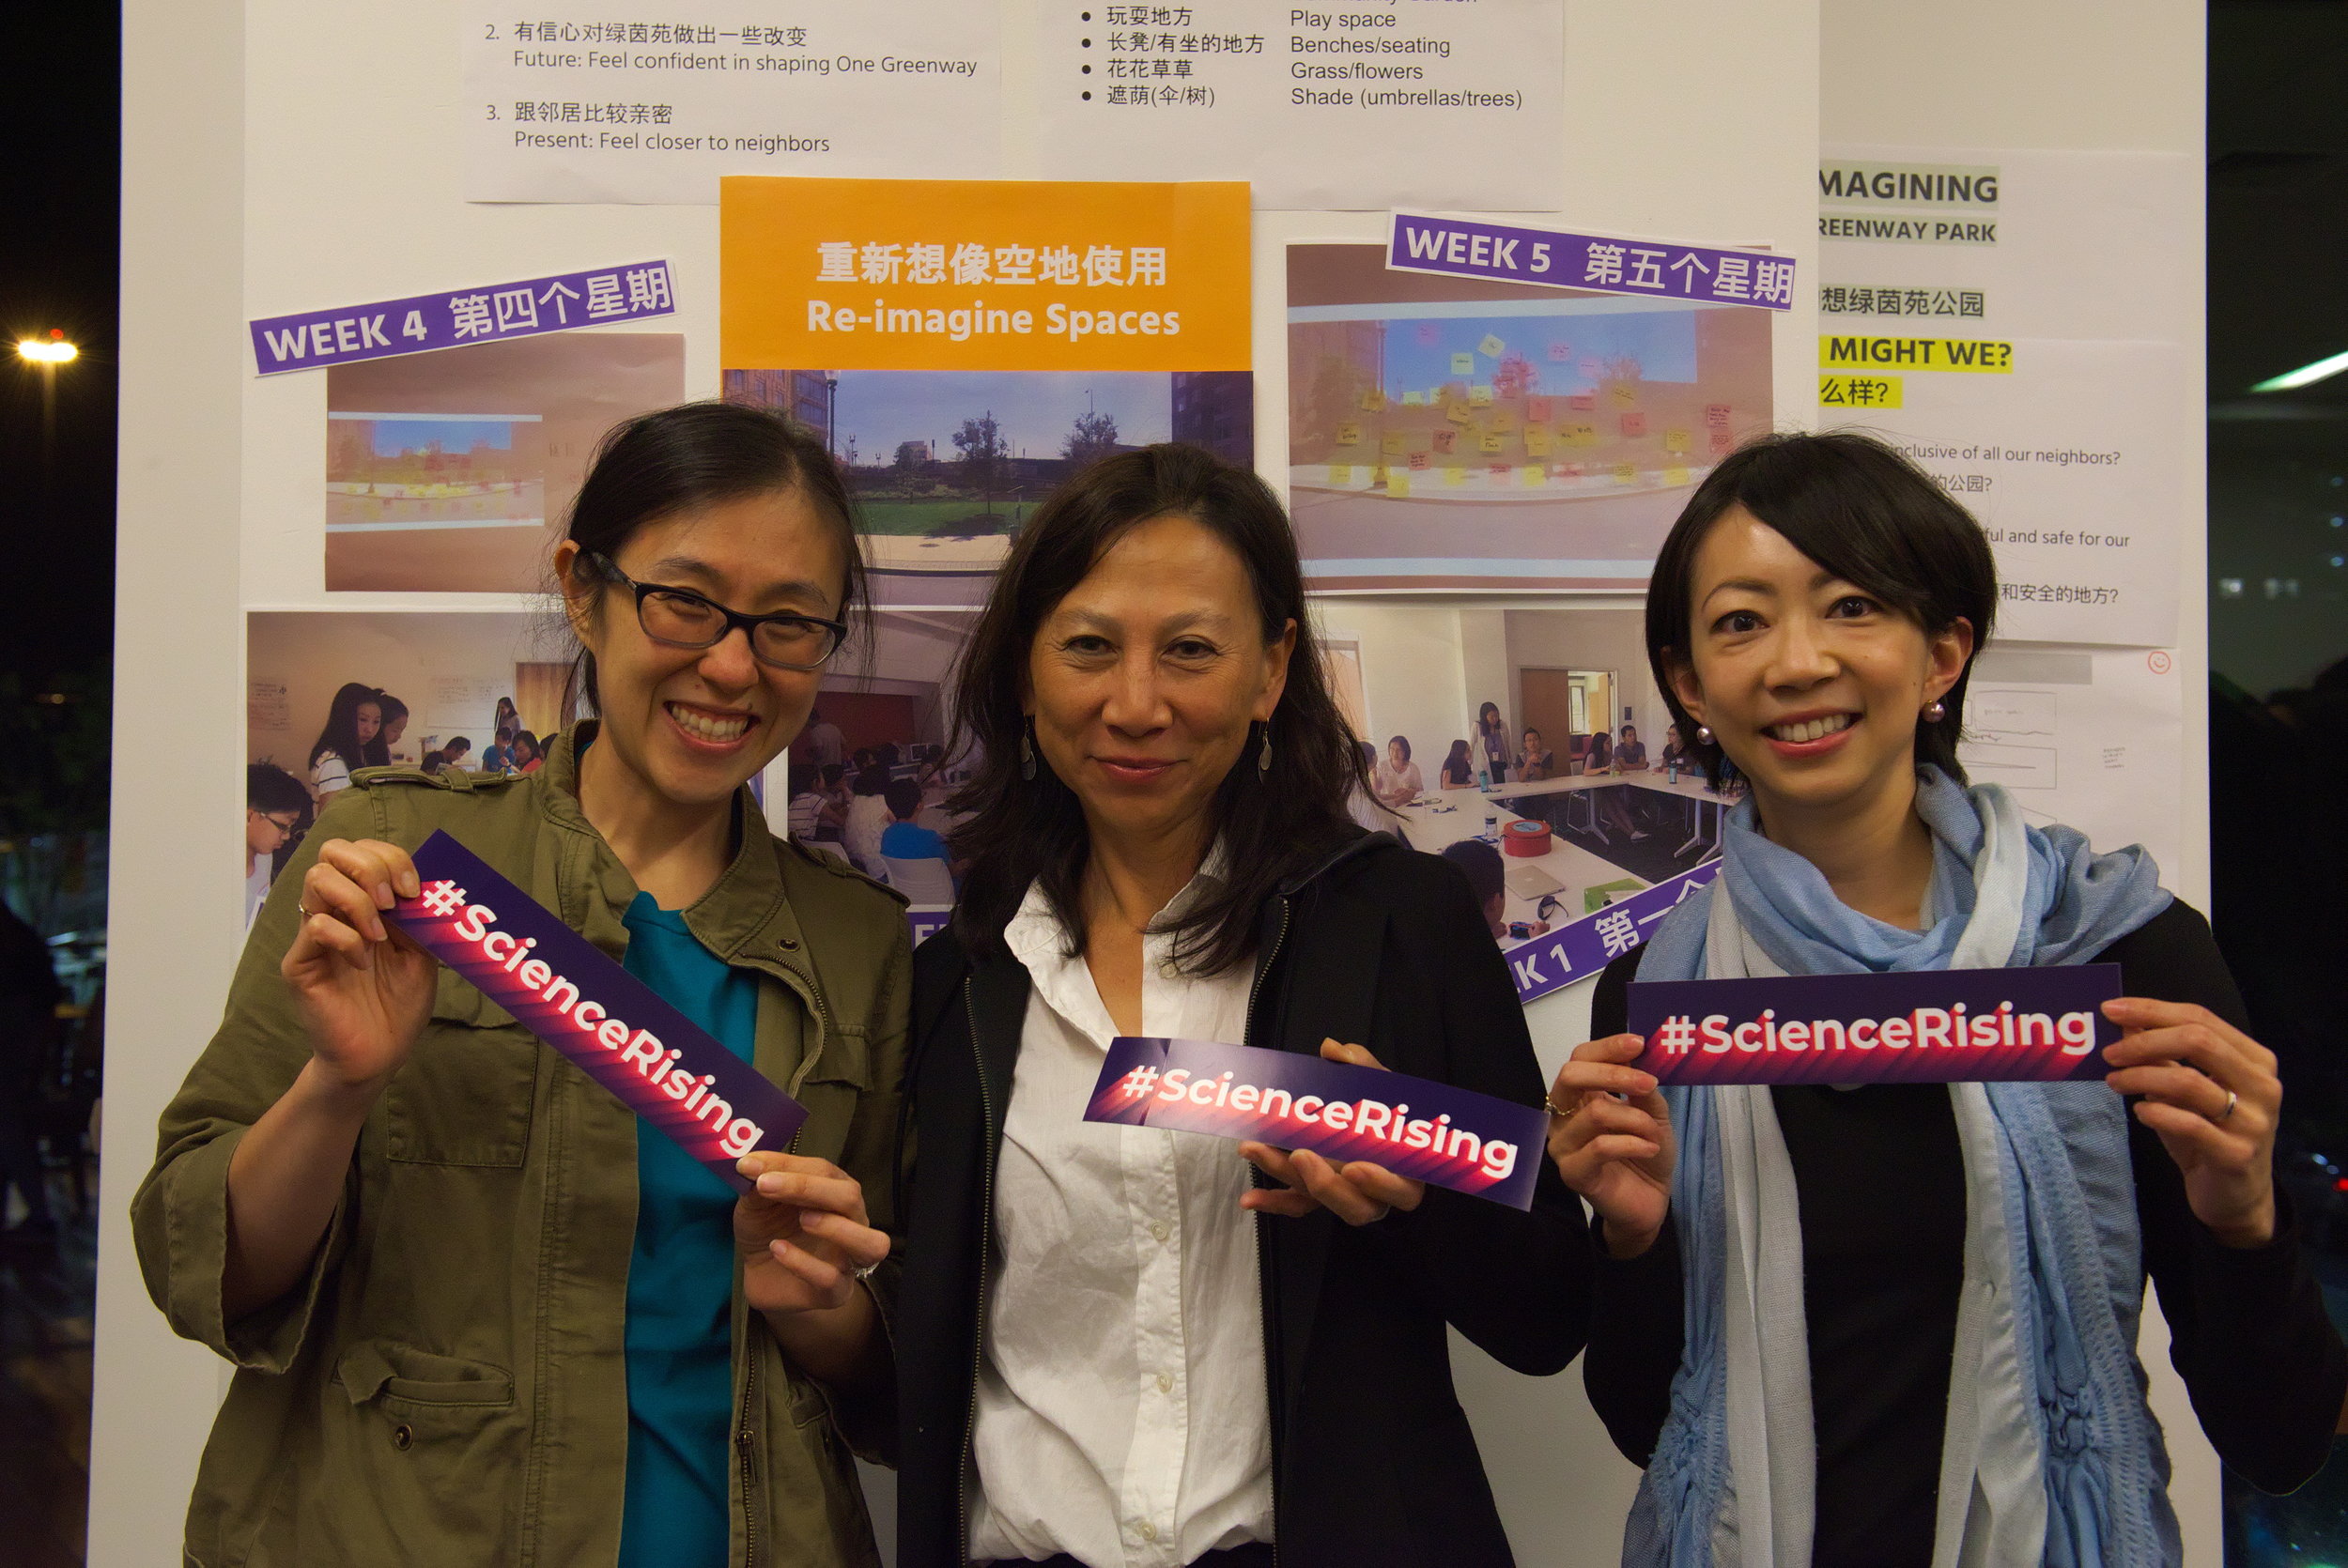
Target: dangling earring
(1934, 712)
(1264, 756)
(1027, 751)
(1704, 734)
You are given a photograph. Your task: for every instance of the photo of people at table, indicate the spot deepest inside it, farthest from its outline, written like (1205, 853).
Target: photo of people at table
(329, 693)
(869, 773)
(1552, 777)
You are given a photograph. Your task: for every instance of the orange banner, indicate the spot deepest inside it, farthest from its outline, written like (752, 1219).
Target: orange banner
(946, 275)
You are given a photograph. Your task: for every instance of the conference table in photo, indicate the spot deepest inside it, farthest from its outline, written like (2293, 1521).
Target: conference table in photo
(1589, 860)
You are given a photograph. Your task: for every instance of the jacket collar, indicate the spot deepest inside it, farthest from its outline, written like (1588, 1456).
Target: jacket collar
(745, 914)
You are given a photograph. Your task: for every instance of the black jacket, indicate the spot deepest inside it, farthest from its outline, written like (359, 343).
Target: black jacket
(1373, 1461)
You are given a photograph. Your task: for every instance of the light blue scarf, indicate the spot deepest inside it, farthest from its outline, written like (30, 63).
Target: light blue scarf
(2050, 1454)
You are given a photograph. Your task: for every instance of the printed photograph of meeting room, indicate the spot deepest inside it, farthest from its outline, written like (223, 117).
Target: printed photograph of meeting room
(1448, 433)
(1549, 774)
(869, 774)
(329, 693)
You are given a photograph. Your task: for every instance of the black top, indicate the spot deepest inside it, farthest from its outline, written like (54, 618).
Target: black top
(1373, 1461)
(1882, 1195)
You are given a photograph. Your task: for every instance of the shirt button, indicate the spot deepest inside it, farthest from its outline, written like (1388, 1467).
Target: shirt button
(1161, 1230)
(1149, 1530)
(1165, 1382)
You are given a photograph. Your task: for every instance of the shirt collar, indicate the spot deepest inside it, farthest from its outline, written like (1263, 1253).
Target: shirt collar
(1035, 931)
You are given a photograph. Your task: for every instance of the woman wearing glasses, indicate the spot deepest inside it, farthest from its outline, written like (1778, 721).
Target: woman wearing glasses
(475, 1316)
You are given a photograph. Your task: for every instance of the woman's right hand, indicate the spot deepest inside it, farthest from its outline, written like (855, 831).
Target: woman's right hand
(1616, 1153)
(364, 989)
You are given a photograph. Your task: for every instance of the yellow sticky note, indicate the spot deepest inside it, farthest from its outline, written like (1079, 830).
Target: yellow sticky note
(1455, 475)
(1349, 435)
(1489, 443)
(1397, 482)
(1480, 395)
(1578, 434)
(1624, 393)
(1490, 347)
(1456, 412)
(1625, 473)
(1675, 475)
(1413, 399)
(1536, 441)
(1504, 418)
(1679, 441)
(1340, 473)
(1535, 476)
(1391, 443)
(1463, 365)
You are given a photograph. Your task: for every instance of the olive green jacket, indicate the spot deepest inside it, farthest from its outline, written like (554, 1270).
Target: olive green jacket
(448, 1385)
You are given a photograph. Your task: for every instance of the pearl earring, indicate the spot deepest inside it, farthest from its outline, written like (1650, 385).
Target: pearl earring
(1934, 712)
(1704, 734)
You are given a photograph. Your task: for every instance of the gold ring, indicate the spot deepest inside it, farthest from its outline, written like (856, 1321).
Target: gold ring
(1549, 1103)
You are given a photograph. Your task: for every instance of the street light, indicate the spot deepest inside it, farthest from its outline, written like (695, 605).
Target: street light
(48, 353)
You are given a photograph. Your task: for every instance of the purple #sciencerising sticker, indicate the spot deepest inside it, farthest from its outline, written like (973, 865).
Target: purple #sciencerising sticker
(1413, 1126)
(1923, 1026)
(562, 989)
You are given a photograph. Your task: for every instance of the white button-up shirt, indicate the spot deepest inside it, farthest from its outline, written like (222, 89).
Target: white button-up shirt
(1122, 1414)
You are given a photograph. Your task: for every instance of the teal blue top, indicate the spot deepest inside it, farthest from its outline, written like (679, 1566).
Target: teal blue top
(680, 1282)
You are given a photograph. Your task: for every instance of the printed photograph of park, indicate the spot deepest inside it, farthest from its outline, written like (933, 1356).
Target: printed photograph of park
(947, 465)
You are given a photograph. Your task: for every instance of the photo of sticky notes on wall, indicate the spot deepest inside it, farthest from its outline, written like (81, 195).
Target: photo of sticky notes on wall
(1501, 474)
(1340, 473)
(1625, 473)
(1463, 365)
(1415, 399)
(1536, 441)
(1679, 441)
(1624, 393)
(1489, 443)
(1633, 425)
(1455, 475)
(1397, 482)
(1480, 395)
(1444, 439)
(1456, 412)
(1578, 434)
(1535, 476)
(1675, 475)
(1349, 435)
(1373, 401)
(1419, 462)
(1716, 416)
(1582, 403)
(1491, 348)
(1391, 443)
(1537, 410)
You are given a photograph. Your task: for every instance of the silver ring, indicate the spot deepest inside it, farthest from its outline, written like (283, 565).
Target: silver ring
(302, 909)
(2232, 1099)
(865, 1274)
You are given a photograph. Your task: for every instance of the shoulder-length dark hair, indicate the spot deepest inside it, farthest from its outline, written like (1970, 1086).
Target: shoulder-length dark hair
(1866, 513)
(1271, 826)
(340, 734)
(696, 454)
(393, 710)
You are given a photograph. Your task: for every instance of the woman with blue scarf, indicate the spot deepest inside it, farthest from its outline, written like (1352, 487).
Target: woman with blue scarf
(1896, 1324)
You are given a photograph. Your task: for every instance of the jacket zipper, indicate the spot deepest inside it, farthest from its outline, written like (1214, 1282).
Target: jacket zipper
(1264, 1271)
(743, 1438)
(986, 1227)
(742, 1445)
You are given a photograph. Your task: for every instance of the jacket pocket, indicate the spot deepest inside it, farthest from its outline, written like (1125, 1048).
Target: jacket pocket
(422, 1457)
(835, 1085)
(464, 1096)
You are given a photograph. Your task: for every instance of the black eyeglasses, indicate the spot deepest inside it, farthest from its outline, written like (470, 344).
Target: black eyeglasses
(681, 618)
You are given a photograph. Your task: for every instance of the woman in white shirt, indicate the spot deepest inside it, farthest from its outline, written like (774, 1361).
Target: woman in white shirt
(868, 819)
(1397, 782)
(1107, 1355)
(352, 723)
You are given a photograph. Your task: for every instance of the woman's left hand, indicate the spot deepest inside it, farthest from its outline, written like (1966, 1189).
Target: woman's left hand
(2212, 1094)
(1357, 1192)
(803, 1234)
